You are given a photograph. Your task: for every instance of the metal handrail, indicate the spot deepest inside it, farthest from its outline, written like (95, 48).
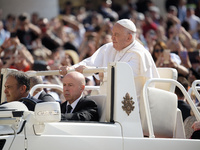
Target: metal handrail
(54, 86)
(56, 72)
(195, 88)
(58, 87)
(190, 90)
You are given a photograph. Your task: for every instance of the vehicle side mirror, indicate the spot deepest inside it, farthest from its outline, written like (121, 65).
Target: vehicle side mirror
(47, 112)
(44, 113)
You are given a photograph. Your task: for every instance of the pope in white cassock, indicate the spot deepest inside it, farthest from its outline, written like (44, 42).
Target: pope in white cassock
(123, 48)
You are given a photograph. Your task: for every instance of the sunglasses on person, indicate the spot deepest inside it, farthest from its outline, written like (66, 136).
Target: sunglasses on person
(158, 50)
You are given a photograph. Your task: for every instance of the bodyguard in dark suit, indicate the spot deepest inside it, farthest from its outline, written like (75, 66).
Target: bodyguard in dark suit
(76, 107)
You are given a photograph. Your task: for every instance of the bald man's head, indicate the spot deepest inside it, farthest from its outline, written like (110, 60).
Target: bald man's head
(79, 77)
(73, 86)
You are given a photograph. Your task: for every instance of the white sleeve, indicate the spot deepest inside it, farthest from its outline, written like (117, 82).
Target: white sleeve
(96, 60)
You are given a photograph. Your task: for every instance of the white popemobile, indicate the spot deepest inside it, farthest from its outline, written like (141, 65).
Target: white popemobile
(154, 124)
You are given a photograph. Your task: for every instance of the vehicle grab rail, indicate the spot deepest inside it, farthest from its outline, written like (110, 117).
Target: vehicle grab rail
(54, 86)
(57, 72)
(58, 87)
(195, 89)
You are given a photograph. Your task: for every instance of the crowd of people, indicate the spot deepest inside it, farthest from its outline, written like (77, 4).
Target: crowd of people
(29, 42)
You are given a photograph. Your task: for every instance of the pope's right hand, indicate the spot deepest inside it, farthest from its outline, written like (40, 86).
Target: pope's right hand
(64, 69)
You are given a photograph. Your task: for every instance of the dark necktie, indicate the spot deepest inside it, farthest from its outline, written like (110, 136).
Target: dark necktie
(69, 108)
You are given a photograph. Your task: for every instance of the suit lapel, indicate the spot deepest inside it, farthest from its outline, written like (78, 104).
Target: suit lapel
(78, 106)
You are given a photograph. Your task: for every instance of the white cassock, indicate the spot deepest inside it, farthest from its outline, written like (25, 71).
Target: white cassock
(135, 55)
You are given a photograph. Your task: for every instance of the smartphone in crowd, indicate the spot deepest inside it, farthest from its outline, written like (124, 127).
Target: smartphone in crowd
(166, 55)
(13, 35)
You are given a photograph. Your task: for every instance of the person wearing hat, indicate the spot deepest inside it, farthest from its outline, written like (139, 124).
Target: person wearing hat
(123, 48)
(70, 58)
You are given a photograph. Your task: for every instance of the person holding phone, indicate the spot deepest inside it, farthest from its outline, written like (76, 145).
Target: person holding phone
(7, 50)
(16, 55)
(163, 57)
(48, 38)
(26, 31)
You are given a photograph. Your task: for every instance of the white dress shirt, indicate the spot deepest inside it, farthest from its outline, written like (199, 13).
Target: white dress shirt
(73, 104)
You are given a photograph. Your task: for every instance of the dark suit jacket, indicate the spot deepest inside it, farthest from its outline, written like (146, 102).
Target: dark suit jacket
(30, 101)
(46, 97)
(196, 135)
(185, 109)
(85, 110)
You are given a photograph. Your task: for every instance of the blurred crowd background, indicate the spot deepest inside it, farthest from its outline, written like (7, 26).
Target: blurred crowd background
(31, 42)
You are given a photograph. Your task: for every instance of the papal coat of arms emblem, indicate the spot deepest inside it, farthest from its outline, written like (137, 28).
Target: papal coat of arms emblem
(128, 104)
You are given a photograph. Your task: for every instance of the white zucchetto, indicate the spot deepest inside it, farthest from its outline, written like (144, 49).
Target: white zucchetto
(127, 23)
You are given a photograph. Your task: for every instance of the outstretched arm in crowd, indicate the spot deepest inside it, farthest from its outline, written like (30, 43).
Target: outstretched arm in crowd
(6, 62)
(180, 68)
(34, 28)
(18, 52)
(183, 53)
